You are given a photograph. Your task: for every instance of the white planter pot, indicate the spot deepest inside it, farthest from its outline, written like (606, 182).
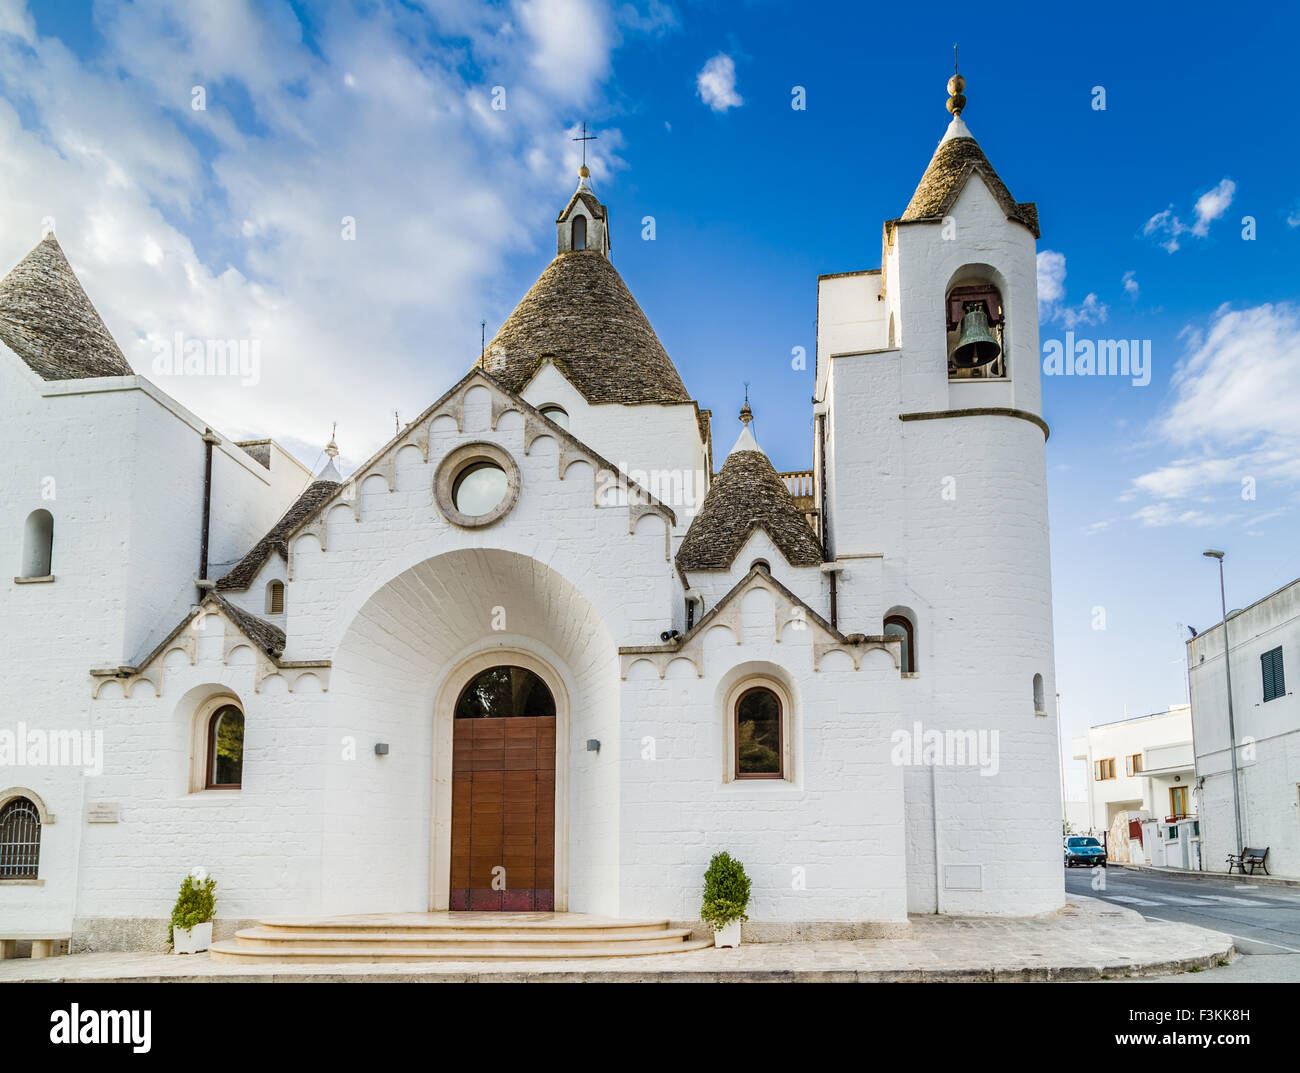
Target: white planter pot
(728, 935)
(192, 940)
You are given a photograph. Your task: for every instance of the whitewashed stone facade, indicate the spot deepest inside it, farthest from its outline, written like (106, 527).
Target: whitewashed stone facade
(931, 504)
(1267, 722)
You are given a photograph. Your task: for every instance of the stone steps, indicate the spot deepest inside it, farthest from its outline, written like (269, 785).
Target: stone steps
(391, 938)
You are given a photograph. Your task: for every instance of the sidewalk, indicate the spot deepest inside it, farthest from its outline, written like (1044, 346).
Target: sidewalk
(1258, 877)
(1086, 940)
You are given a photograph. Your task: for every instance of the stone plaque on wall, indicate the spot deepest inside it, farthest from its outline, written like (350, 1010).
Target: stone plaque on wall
(102, 812)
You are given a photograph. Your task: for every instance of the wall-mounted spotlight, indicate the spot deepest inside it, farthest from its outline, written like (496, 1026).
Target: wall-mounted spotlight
(593, 746)
(381, 748)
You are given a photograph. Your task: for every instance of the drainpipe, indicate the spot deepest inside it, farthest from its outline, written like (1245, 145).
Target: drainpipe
(209, 438)
(821, 517)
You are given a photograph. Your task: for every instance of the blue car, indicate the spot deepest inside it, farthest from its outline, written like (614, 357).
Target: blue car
(1083, 850)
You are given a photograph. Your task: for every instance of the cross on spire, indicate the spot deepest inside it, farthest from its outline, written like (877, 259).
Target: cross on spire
(585, 138)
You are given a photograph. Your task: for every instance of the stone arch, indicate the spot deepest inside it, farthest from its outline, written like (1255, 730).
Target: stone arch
(406, 653)
(980, 275)
(12, 793)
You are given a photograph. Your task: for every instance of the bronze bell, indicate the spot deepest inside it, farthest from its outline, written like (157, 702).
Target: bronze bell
(976, 345)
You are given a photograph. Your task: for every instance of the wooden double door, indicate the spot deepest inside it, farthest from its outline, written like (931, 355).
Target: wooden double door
(503, 796)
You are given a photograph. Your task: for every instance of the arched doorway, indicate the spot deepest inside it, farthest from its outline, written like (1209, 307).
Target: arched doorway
(503, 792)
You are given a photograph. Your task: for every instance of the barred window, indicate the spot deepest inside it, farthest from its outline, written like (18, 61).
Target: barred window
(20, 839)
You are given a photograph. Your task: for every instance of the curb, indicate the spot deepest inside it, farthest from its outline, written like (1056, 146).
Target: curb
(1277, 881)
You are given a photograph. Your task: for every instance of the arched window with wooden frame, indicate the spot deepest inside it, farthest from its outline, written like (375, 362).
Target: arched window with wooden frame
(20, 839)
(225, 749)
(275, 598)
(579, 232)
(760, 752)
(901, 626)
(38, 544)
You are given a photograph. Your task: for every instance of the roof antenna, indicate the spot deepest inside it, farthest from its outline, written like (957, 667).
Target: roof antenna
(482, 335)
(584, 139)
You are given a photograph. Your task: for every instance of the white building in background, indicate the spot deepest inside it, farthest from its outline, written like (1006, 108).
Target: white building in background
(1142, 766)
(1264, 639)
(329, 692)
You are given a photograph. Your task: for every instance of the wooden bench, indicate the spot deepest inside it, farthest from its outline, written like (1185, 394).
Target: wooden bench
(44, 945)
(1252, 857)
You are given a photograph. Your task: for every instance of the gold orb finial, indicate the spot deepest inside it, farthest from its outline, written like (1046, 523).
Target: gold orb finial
(956, 99)
(584, 172)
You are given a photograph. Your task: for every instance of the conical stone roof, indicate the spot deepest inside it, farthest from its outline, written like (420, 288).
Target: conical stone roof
(957, 157)
(581, 314)
(747, 495)
(47, 320)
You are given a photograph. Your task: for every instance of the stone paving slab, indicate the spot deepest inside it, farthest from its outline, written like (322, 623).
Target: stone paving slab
(1086, 940)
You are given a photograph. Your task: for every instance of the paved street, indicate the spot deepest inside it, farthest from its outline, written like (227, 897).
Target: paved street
(1263, 920)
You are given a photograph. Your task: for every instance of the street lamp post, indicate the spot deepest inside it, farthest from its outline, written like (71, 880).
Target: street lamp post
(1227, 667)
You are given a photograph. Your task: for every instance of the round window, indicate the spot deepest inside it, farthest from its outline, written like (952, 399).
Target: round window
(479, 488)
(476, 484)
(556, 414)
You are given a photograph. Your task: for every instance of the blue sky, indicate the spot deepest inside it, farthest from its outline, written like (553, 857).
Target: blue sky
(225, 222)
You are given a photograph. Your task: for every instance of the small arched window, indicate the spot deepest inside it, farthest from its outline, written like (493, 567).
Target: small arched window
(38, 544)
(1040, 701)
(226, 749)
(505, 692)
(558, 414)
(900, 626)
(275, 598)
(759, 753)
(20, 839)
(579, 232)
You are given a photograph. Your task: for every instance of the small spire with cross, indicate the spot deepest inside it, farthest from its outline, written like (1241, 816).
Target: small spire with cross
(746, 414)
(584, 138)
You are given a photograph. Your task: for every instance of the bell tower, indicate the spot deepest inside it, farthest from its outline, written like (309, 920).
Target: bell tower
(584, 223)
(930, 464)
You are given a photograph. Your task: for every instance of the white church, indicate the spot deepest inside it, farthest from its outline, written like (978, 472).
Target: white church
(563, 638)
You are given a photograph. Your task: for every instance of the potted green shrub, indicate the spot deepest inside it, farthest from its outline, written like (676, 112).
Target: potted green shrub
(191, 923)
(726, 897)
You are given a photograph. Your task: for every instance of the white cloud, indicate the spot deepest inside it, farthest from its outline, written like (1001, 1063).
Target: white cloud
(226, 223)
(1051, 295)
(1162, 515)
(572, 41)
(1209, 207)
(1239, 382)
(1130, 282)
(1051, 277)
(716, 83)
(1231, 420)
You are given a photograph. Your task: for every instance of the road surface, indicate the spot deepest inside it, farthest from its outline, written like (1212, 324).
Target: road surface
(1263, 920)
